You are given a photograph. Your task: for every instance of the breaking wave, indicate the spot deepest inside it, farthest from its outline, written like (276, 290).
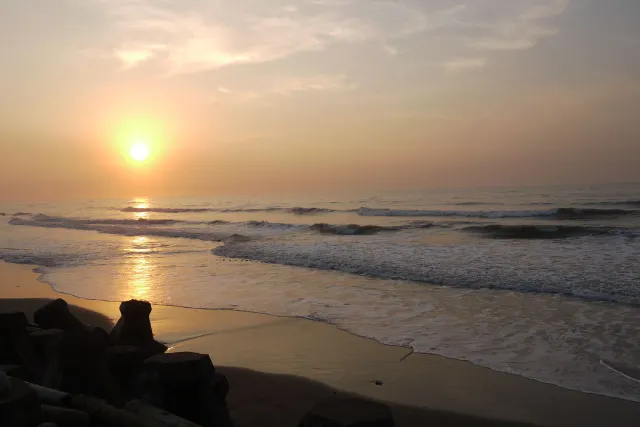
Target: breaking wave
(496, 231)
(559, 213)
(127, 229)
(577, 270)
(294, 210)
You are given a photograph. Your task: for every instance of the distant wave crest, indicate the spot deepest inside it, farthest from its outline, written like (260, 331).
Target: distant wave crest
(559, 213)
(496, 231)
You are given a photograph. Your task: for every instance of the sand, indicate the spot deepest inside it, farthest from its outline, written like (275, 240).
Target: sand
(279, 367)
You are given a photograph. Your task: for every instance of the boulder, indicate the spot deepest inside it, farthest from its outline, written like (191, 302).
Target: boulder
(56, 315)
(19, 406)
(348, 412)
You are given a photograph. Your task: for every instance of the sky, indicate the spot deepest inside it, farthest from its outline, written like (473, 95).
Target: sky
(270, 96)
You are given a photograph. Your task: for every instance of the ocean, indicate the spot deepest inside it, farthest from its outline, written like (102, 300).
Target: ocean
(538, 282)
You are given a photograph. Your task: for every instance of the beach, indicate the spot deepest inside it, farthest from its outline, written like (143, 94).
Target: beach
(279, 367)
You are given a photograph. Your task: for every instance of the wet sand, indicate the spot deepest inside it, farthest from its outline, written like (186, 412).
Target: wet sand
(279, 367)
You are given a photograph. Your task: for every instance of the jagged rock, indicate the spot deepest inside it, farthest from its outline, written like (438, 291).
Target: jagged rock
(65, 417)
(19, 406)
(348, 412)
(104, 415)
(56, 315)
(80, 365)
(182, 383)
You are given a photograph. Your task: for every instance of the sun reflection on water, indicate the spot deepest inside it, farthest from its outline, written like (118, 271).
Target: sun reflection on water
(140, 268)
(141, 203)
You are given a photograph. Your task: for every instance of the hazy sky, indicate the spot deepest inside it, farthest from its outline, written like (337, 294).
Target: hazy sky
(251, 96)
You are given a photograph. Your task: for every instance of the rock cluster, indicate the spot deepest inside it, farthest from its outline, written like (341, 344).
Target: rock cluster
(63, 373)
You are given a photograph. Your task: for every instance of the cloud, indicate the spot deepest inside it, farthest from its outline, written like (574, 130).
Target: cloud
(521, 30)
(187, 36)
(197, 35)
(292, 86)
(464, 64)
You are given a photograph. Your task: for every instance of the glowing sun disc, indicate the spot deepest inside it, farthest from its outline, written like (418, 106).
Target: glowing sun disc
(139, 151)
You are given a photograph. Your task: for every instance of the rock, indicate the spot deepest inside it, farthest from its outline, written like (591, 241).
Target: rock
(56, 315)
(15, 371)
(65, 417)
(104, 415)
(19, 406)
(184, 384)
(124, 363)
(13, 328)
(220, 386)
(47, 424)
(134, 327)
(348, 412)
(80, 365)
(150, 415)
(50, 396)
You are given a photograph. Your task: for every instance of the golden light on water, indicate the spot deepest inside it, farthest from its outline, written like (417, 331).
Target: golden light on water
(141, 270)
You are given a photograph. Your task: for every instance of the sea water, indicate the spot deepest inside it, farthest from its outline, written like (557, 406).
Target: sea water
(538, 282)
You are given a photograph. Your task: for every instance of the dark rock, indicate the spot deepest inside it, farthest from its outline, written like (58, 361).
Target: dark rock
(348, 412)
(104, 415)
(220, 386)
(80, 365)
(56, 315)
(124, 363)
(134, 327)
(47, 424)
(181, 368)
(184, 384)
(151, 415)
(19, 406)
(15, 371)
(13, 328)
(66, 417)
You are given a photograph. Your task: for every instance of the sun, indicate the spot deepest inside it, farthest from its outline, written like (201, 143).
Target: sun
(139, 151)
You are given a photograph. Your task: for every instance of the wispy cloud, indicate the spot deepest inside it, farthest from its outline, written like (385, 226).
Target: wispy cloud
(194, 35)
(522, 29)
(292, 86)
(464, 64)
(186, 36)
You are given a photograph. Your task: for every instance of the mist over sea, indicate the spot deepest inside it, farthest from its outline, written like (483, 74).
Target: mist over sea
(539, 282)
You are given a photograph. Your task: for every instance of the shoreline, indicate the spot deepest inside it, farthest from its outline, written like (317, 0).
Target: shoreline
(321, 352)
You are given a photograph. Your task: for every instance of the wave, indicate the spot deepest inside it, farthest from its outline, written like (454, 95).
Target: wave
(351, 229)
(129, 229)
(496, 231)
(140, 221)
(294, 210)
(578, 269)
(559, 213)
(616, 203)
